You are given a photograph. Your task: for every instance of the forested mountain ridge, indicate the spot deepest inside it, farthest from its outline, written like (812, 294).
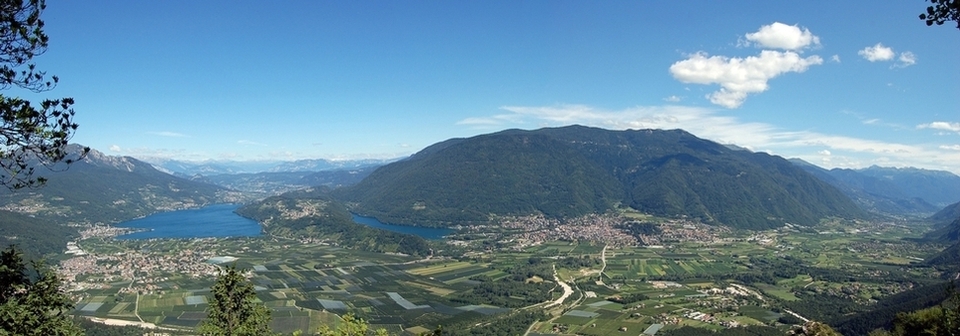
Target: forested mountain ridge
(575, 170)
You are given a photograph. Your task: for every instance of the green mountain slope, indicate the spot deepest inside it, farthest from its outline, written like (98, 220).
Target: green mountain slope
(32, 235)
(504, 173)
(575, 170)
(882, 313)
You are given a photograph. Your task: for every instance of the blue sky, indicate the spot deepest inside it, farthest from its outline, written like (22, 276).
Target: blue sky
(837, 83)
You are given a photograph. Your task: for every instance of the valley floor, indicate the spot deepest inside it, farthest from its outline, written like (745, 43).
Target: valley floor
(693, 276)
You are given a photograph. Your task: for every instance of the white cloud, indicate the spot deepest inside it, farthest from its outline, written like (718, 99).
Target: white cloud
(736, 76)
(877, 53)
(950, 147)
(824, 152)
(164, 153)
(835, 58)
(169, 134)
(489, 121)
(672, 99)
(115, 148)
(906, 59)
(252, 143)
(708, 123)
(941, 125)
(782, 36)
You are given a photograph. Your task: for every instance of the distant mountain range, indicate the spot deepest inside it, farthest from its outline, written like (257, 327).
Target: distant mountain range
(892, 191)
(214, 167)
(576, 170)
(272, 184)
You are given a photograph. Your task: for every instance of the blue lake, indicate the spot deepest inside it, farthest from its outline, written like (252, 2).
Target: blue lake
(428, 233)
(220, 221)
(210, 221)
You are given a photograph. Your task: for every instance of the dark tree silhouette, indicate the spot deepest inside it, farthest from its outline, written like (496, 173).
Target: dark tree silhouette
(32, 305)
(942, 11)
(30, 136)
(233, 311)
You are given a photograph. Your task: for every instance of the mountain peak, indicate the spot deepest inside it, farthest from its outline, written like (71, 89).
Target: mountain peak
(575, 170)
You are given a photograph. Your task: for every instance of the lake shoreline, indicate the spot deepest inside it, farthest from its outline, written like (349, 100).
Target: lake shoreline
(211, 221)
(423, 232)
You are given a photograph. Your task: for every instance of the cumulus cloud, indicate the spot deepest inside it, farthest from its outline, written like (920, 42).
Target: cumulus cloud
(942, 125)
(950, 147)
(835, 58)
(877, 53)
(169, 134)
(906, 59)
(739, 77)
(783, 36)
(824, 152)
(881, 53)
(736, 76)
(115, 148)
(672, 99)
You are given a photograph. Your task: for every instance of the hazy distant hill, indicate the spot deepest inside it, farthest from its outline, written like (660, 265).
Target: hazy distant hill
(327, 165)
(221, 167)
(337, 178)
(947, 214)
(876, 194)
(259, 185)
(937, 187)
(948, 231)
(576, 170)
(106, 189)
(262, 184)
